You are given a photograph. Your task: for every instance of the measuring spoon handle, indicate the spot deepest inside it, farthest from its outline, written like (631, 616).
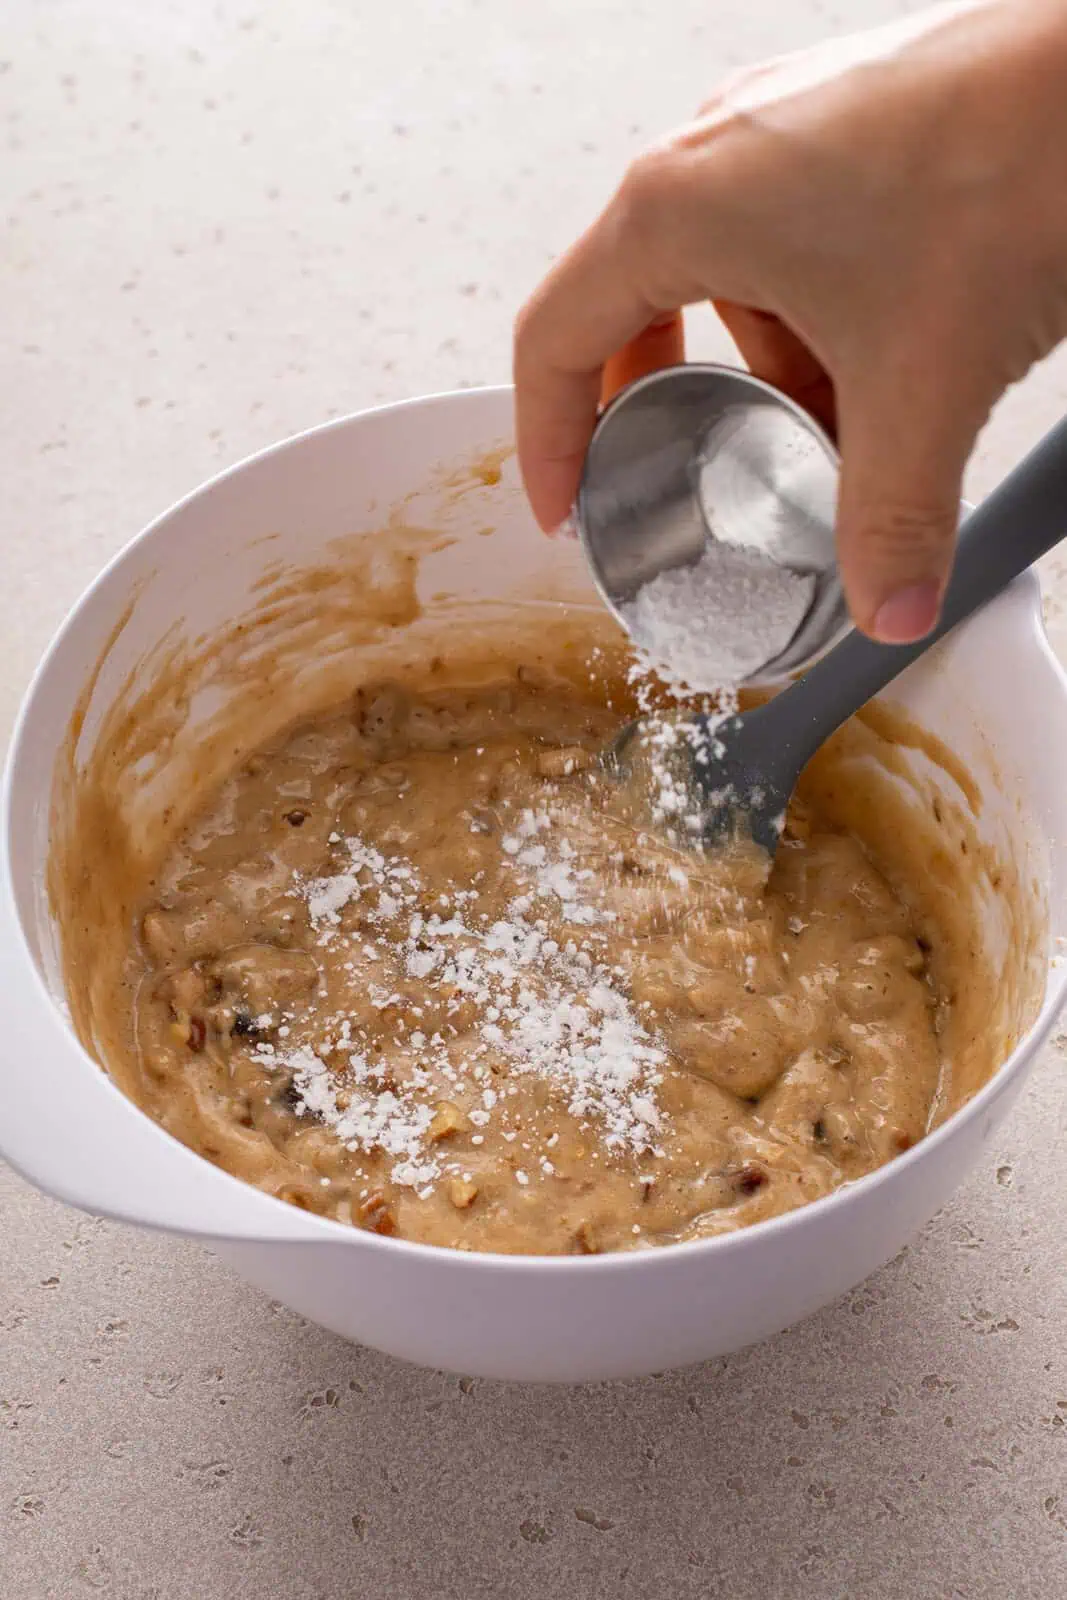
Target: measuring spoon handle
(1023, 518)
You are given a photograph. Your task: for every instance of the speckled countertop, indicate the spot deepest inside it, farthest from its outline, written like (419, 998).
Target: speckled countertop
(223, 220)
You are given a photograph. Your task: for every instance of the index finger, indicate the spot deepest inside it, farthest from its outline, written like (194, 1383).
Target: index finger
(587, 308)
(674, 220)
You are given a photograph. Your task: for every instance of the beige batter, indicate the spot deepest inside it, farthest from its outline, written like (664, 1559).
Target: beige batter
(413, 967)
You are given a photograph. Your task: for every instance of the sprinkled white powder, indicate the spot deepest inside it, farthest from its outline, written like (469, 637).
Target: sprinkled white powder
(708, 627)
(543, 1007)
(375, 1119)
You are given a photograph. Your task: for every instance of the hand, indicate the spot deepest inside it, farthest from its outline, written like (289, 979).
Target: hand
(882, 224)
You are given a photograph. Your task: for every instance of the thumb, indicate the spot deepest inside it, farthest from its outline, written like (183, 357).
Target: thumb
(904, 446)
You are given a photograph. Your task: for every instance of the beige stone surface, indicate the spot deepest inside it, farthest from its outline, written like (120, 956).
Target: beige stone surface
(223, 220)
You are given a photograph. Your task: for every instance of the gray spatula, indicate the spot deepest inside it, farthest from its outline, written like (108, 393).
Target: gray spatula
(738, 775)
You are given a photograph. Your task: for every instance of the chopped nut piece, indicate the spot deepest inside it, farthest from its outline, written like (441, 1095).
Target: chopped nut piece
(185, 989)
(562, 763)
(585, 1240)
(158, 1064)
(376, 1214)
(447, 1119)
(461, 1192)
(751, 1178)
(190, 1031)
(265, 977)
(162, 935)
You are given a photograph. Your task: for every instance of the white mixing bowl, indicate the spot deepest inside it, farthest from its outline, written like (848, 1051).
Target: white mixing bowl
(994, 694)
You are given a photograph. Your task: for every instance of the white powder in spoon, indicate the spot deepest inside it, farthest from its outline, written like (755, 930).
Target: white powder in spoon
(708, 627)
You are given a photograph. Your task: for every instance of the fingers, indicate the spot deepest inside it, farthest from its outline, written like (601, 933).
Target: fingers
(773, 352)
(629, 271)
(904, 445)
(587, 308)
(661, 344)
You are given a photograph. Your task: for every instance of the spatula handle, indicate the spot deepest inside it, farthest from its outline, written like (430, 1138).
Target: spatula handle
(1023, 518)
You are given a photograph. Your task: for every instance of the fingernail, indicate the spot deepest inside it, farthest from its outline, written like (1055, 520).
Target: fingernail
(907, 615)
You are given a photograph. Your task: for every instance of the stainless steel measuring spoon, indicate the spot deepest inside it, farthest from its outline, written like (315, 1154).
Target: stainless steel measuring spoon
(701, 453)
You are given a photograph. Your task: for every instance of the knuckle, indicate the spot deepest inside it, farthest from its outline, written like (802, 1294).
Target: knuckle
(650, 192)
(652, 213)
(902, 531)
(737, 84)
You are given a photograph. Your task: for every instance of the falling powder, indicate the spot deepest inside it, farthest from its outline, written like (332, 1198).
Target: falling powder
(705, 630)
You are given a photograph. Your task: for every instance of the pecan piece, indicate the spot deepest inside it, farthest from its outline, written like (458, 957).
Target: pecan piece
(462, 1192)
(376, 1214)
(563, 762)
(190, 1031)
(447, 1120)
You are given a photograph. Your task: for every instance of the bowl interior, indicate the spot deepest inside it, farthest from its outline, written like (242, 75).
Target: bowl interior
(369, 547)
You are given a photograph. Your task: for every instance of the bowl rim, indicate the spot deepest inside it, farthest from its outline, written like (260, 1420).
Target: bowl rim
(326, 1231)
